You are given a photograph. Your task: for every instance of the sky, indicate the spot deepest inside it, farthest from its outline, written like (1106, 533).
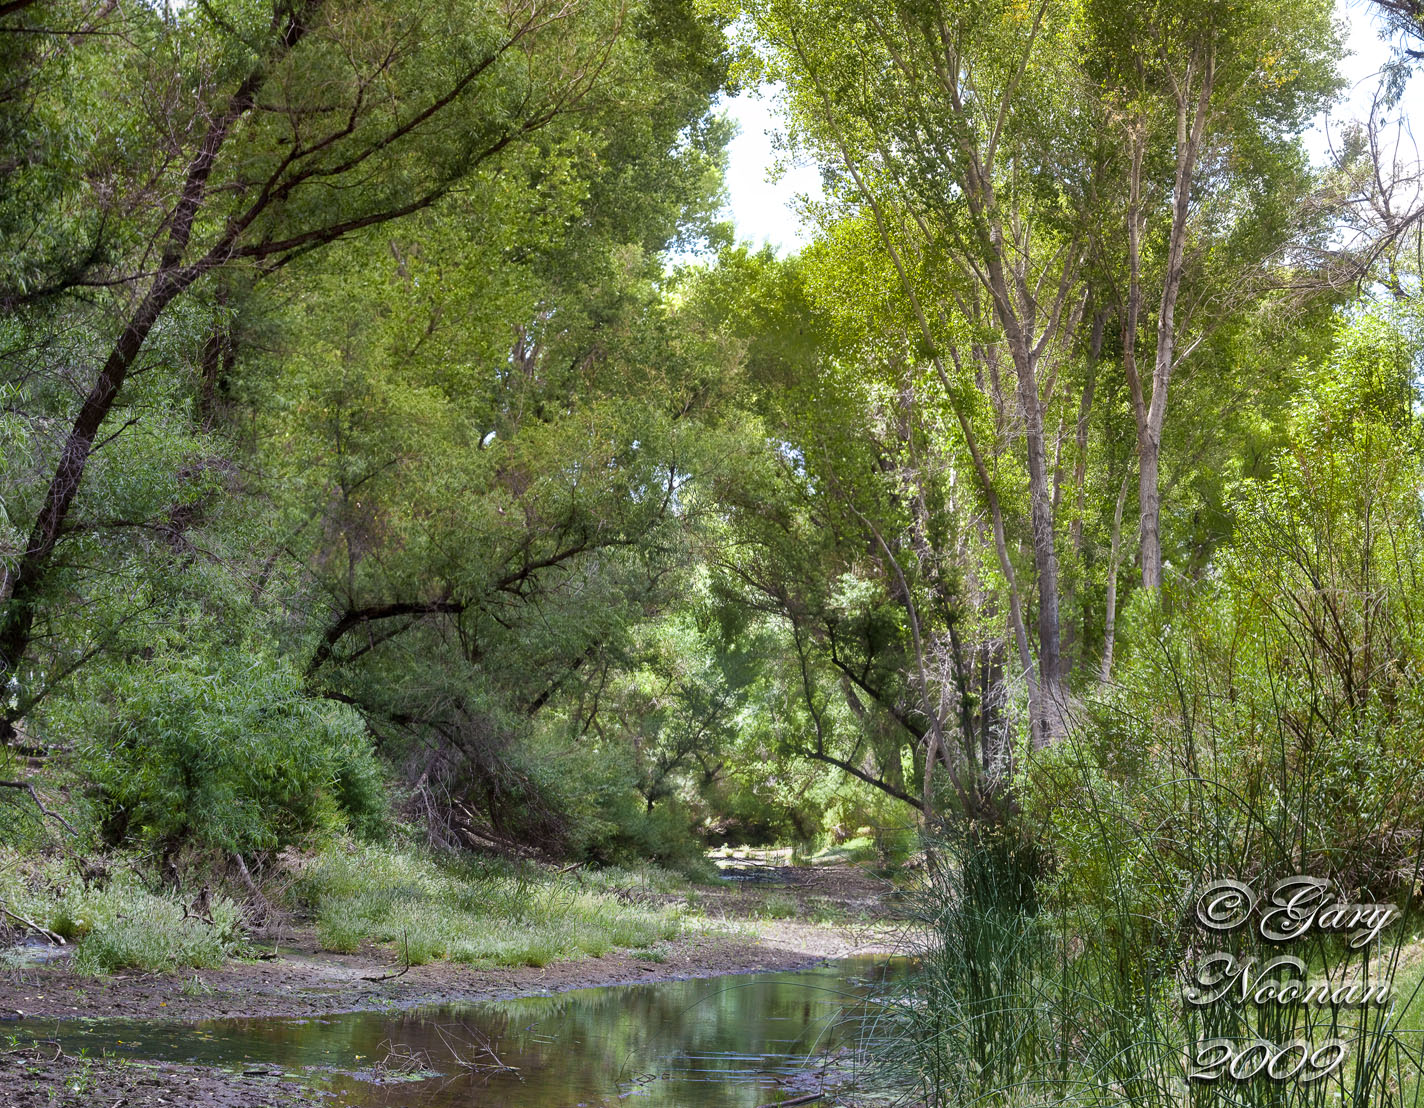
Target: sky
(764, 210)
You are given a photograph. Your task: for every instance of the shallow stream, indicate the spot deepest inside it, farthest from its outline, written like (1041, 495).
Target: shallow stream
(732, 1042)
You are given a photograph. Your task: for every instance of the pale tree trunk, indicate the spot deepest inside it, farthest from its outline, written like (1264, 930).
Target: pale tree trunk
(981, 470)
(1025, 353)
(1114, 559)
(1151, 411)
(996, 257)
(1080, 475)
(1045, 557)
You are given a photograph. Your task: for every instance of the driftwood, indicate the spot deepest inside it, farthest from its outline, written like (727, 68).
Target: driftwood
(48, 934)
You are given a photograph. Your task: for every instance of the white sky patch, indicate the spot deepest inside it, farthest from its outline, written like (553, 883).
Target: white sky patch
(1365, 57)
(765, 211)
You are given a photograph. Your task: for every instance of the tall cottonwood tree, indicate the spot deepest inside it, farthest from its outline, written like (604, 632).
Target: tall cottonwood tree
(1203, 101)
(960, 130)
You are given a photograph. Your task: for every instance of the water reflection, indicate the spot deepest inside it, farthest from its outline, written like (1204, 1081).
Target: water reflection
(728, 1041)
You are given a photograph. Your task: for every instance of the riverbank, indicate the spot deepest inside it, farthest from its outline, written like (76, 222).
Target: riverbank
(296, 979)
(404, 931)
(44, 1077)
(760, 916)
(689, 1038)
(300, 979)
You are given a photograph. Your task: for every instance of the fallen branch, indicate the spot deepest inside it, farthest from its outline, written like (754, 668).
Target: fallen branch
(259, 904)
(807, 1099)
(48, 934)
(405, 937)
(473, 1063)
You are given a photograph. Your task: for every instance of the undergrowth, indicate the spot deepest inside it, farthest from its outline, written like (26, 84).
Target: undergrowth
(471, 911)
(121, 924)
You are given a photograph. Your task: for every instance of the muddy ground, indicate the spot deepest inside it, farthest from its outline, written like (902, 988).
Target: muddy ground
(42, 1078)
(291, 976)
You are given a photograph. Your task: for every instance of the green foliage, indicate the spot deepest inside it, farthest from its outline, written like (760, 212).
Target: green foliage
(220, 750)
(1263, 726)
(358, 432)
(1066, 988)
(149, 933)
(778, 906)
(591, 791)
(428, 407)
(1292, 671)
(120, 924)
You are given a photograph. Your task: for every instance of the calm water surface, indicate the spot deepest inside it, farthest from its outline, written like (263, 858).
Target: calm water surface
(729, 1041)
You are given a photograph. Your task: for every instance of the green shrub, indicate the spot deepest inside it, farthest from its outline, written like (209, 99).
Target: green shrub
(220, 749)
(151, 933)
(606, 821)
(121, 925)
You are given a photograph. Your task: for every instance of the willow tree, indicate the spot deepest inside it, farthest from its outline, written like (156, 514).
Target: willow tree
(229, 138)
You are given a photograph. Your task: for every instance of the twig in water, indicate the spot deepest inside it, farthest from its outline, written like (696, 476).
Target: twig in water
(475, 1063)
(34, 1047)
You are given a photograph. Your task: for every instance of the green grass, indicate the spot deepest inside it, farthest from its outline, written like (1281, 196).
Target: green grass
(859, 850)
(427, 908)
(445, 909)
(778, 906)
(121, 925)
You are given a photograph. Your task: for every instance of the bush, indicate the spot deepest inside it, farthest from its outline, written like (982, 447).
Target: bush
(779, 906)
(606, 821)
(220, 749)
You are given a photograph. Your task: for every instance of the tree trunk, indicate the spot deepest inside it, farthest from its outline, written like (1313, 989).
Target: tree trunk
(1191, 127)
(172, 278)
(1045, 556)
(1110, 615)
(17, 622)
(1080, 483)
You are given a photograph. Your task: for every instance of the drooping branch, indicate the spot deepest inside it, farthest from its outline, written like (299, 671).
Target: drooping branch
(47, 813)
(360, 617)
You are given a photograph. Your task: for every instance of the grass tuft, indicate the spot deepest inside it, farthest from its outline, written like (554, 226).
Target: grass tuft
(122, 925)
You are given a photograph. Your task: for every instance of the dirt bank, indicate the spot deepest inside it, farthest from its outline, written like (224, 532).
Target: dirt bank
(294, 977)
(43, 1078)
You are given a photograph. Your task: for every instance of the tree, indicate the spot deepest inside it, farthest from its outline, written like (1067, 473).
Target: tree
(853, 545)
(951, 127)
(276, 132)
(1207, 101)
